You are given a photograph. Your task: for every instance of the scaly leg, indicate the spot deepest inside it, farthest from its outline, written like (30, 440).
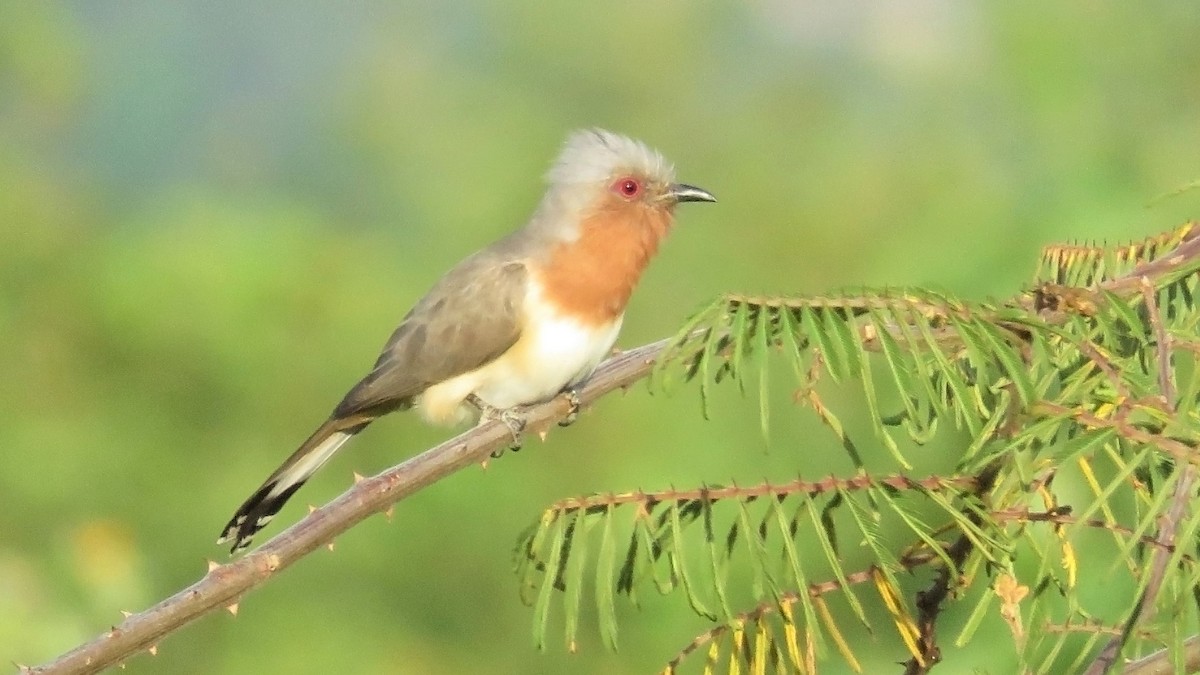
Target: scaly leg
(511, 417)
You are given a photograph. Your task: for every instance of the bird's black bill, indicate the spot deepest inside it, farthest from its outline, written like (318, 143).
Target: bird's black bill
(690, 193)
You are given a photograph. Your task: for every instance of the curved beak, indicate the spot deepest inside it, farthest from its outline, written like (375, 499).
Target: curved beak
(679, 192)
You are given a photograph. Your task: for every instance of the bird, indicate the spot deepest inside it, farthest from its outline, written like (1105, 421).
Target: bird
(519, 322)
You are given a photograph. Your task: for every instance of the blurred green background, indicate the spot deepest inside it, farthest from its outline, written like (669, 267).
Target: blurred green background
(212, 215)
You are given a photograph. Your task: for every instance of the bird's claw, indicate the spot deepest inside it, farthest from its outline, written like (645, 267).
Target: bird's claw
(515, 422)
(573, 400)
(510, 417)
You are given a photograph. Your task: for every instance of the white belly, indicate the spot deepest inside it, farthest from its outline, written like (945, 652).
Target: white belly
(552, 353)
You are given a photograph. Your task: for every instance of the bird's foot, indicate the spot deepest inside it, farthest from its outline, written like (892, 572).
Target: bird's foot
(572, 396)
(510, 417)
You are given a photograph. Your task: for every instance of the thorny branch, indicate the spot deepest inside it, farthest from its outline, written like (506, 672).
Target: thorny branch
(224, 585)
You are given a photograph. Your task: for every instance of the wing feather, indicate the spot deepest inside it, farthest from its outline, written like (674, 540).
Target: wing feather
(470, 317)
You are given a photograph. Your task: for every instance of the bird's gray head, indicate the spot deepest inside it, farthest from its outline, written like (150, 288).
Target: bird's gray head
(599, 169)
(595, 156)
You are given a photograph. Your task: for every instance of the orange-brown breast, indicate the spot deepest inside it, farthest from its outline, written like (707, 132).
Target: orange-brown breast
(592, 277)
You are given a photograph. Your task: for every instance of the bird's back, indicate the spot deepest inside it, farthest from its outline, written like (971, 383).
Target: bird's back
(470, 317)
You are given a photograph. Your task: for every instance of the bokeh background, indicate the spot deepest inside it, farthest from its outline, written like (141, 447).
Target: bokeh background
(213, 214)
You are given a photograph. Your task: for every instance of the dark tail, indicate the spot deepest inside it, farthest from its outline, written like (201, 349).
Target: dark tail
(261, 507)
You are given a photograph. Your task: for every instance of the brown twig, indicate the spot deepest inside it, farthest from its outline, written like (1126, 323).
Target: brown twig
(1024, 516)
(810, 487)
(224, 585)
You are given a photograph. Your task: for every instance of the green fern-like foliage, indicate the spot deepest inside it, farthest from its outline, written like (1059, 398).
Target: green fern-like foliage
(1072, 494)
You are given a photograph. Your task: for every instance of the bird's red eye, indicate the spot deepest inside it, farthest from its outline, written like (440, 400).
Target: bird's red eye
(627, 187)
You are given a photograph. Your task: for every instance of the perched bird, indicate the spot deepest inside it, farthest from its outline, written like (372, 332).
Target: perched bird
(517, 323)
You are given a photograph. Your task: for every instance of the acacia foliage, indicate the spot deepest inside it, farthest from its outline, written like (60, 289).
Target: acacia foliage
(1075, 400)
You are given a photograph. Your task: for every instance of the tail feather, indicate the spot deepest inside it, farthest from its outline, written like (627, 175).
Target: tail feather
(268, 499)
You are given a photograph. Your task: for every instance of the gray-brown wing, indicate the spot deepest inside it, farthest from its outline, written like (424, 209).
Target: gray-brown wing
(470, 317)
